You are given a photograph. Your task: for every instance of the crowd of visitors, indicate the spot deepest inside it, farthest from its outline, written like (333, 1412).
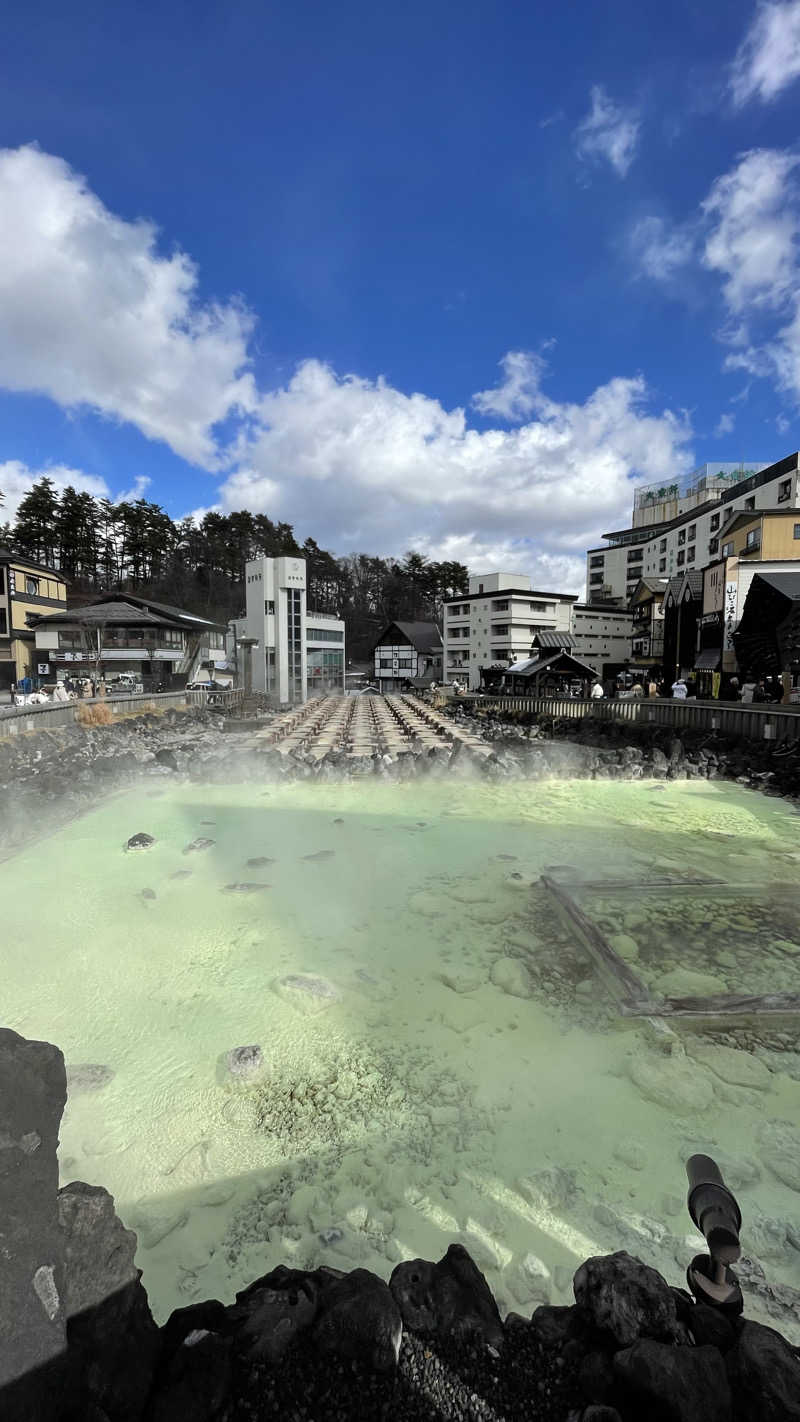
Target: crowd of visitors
(765, 690)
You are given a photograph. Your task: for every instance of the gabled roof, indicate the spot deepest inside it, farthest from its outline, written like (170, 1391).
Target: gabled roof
(654, 585)
(550, 640)
(686, 584)
(177, 614)
(566, 662)
(6, 556)
(113, 611)
(424, 636)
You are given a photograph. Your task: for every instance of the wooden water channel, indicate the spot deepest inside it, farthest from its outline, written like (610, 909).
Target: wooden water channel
(633, 996)
(367, 726)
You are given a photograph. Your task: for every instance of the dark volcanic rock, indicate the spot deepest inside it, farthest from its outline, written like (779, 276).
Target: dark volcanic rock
(359, 1319)
(196, 1384)
(451, 1298)
(140, 841)
(625, 1300)
(668, 1384)
(764, 1373)
(113, 1341)
(32, 1313)
(87, 1076)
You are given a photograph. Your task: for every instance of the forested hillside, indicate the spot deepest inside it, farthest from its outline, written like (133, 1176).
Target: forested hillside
(136, 546)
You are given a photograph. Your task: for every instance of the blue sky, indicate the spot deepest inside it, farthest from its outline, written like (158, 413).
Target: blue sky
(450, 276)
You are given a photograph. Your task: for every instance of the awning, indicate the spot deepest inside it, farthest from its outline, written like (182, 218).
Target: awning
(708, 660)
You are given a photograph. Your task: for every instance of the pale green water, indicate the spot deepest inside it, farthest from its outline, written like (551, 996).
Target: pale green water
(406, 1112)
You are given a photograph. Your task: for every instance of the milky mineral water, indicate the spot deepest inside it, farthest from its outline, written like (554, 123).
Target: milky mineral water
(439, 1058)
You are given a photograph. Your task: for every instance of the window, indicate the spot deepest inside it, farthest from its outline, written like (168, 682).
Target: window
(714, 522)
(500, 630)
(2, 580)
(692, 532)
(797, 530)
(784, 493)
(500, 606)
(323, 634)
(681, 537)
(690, 552)
(597, 561)
(662, 565)
(386, 663)
(71, 639)
(754, 538)
(750, 503)
(404, 665)
(713, 545)
(595, 578)
(681, 559)
(727, 550)
(546, 606)
(32, 587)
(635, 555)
(662, 547)
(269, 607)
(480, 587)
(3, 622)
(294, 645)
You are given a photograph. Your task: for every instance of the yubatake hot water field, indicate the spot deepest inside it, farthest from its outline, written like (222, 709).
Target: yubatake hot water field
(430, 1053)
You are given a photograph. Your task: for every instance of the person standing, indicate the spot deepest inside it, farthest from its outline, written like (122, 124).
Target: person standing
(597, 691)
(679, 690)
(652, 687)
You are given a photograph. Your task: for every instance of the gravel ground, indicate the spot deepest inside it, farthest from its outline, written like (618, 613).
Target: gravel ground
(432, 1384)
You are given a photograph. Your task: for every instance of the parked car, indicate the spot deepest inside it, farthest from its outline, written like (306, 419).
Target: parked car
(124, 682)
(206, 686)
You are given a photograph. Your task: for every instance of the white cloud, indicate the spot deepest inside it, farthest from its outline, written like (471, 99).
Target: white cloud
(609, 132)
(137, 491)
(92, 315)
(661, 249)
(369, 467)
(769, 56)
(752, 241)
(518, 391)
(725, 425)
(16, 479)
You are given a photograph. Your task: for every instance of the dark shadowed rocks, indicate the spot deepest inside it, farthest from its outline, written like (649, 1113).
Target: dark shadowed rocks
(764, 1373)
(140, 841)
(669, 1384)
(451, 1298)
(625, 1300)
(359, 1319)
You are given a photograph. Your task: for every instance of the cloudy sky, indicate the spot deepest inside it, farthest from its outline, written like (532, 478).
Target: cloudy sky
(447, 276)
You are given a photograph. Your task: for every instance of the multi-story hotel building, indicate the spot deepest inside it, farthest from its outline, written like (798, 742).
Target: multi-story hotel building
(495, 622)
(682, 526)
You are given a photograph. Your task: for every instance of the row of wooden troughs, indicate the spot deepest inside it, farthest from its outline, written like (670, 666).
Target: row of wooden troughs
(362, 726)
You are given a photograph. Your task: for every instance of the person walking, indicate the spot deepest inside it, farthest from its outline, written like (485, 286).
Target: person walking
(652, 687)
(637, 691)
(597, 691)
(679, 690)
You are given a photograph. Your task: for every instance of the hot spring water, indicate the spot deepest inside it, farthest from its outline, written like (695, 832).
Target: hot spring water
(439, 1059)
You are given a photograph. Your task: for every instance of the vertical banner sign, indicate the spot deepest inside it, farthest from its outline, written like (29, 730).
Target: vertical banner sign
(731, 598)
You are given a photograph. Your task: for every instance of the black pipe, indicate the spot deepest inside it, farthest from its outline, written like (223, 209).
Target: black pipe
(713, 1209)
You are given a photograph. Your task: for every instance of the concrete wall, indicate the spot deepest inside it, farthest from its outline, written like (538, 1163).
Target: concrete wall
(18, 720)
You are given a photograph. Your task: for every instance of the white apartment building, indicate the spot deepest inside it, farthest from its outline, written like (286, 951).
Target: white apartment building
(602, 634)
(495, 622)
(298, 651)
(682, 526)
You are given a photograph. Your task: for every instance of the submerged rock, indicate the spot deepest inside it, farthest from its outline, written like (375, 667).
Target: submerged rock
(140, 841)
(684, 982)
(87, 1076)
(319, 855)
(245, 1062)
(512, 977)
(738, 1068)
(244, 888)
(307, 992)
(672, 1082)
(198, 844)
(780, 1151)
(259, 862)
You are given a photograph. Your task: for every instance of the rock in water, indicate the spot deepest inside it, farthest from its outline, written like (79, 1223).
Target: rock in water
(359, 1319)
(780, 1151)
(512, 977)
(87, 1076)
(148, 894)
(245, 1062)
(244, 888)
(673, 1082)
(197, 844)
(320, 854)
(308, 992)
(625, 1299)
(259, 862)
(683, 982)
(181, 874)
(738, 1068)
(451, 1298)
(140, 841)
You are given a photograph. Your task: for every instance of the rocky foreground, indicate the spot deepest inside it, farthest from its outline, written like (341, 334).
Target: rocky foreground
(78, 1342)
